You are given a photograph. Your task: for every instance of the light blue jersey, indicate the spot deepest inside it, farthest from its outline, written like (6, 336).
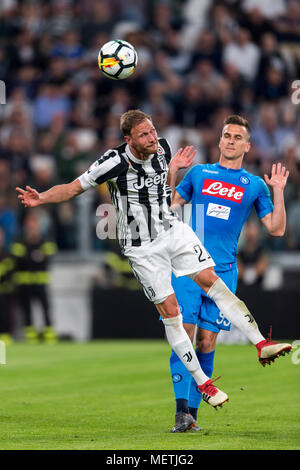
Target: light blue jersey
(222, 200)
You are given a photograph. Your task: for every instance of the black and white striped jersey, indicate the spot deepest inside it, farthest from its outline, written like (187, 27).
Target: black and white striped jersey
(138, 191)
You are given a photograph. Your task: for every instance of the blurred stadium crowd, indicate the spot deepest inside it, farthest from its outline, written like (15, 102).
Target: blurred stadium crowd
(198, 62)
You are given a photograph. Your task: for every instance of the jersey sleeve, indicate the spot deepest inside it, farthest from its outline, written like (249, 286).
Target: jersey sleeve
(185, 188)
(263, 204)
(107, 167)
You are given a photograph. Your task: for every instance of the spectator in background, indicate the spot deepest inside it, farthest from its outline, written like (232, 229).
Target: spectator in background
(243, 54)
(253, 260)
(293, 223)
(43, 171)
(100, 20)
(65, 227)
(268, 135)
(70, 49)
(6, 291)
(270, 9)
(8, 221)
(207, 47)
(68, 155)
(50, 102)
(287, 26)
(17, 154)
(257, 24)
(32, 254)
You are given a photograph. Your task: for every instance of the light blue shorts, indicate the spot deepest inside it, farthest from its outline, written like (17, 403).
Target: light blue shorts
(199, 309)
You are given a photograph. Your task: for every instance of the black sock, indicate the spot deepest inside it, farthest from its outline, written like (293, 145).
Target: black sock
(182, 405)
(193, 412)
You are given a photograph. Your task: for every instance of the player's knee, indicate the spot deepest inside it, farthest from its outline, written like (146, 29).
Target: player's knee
(206, 341)
(204, 345)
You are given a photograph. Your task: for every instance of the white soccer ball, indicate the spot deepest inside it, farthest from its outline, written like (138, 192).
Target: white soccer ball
(117, 59)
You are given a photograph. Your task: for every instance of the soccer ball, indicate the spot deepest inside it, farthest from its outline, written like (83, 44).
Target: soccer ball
(117, 59)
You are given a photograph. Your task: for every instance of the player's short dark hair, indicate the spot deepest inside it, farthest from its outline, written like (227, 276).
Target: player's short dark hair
(132, 118)
(238, 120)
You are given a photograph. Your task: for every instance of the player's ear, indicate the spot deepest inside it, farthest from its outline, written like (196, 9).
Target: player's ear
(127, 139)
(248, 147)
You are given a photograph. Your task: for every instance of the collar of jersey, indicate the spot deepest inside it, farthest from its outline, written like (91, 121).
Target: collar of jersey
(133, 158)
(228, 169)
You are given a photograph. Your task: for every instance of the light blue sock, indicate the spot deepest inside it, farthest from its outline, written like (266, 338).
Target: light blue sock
(181, 378)
(207, 364)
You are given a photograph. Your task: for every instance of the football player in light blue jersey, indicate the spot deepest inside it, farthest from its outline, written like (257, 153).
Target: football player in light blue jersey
(223, 195)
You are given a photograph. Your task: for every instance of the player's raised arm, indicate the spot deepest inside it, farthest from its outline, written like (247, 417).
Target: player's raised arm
(182, 159)
(275, 222)
(60, 193)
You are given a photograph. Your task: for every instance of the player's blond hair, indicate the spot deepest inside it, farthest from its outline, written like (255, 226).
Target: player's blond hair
(132, 118)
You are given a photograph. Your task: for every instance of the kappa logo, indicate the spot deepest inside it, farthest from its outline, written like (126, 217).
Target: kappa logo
(223, 190)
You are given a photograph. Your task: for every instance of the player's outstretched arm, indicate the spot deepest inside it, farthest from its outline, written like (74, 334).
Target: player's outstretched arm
(275, 222)
(60, 193)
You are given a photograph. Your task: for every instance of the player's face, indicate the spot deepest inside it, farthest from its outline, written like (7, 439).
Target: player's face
(143, 139)
(234, 142)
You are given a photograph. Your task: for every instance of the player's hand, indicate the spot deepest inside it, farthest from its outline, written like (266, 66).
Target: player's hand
(29, 196)
(183, 158)
(278, 178)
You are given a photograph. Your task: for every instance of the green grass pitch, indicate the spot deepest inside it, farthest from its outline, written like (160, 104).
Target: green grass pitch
(117, 395)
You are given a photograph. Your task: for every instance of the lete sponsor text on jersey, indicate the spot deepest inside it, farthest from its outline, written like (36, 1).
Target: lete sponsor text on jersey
(223, 190)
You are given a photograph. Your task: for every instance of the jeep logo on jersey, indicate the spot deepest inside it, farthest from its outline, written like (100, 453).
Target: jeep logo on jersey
(150, 181)
(223, 190)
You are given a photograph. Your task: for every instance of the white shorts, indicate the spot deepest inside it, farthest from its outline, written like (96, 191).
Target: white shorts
(178, 250)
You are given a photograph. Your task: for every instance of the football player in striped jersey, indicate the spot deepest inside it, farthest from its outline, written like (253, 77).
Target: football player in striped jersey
(152, 236)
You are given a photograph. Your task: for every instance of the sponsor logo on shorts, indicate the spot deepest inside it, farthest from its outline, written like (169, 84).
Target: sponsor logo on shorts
(223, 190)
(218, 211)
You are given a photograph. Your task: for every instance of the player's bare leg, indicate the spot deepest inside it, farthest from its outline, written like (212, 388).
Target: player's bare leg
(238, 314)
(183, 347)
(206, 340)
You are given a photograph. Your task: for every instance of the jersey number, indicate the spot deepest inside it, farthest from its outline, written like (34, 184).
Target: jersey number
(202, 253)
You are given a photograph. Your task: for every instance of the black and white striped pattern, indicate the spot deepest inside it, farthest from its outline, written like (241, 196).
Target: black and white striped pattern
(138, 191)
